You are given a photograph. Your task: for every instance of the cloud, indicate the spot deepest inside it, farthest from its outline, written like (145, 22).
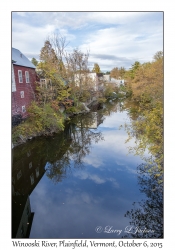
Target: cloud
(114, 182)
(93, 160)
(108, 57)
(115, 39)
(96, 178)
(34, 41)
(93, 177)
(23, 14)
(121, 46)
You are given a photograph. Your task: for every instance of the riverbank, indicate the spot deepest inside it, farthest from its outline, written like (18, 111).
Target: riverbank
(26, 135)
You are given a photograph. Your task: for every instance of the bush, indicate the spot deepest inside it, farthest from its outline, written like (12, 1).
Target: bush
(71, 110)
(109, 90)
(45, 118)
(85, 96)
(101, 100)
(41, 120)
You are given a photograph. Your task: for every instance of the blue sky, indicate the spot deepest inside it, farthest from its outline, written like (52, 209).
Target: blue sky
(114, 39)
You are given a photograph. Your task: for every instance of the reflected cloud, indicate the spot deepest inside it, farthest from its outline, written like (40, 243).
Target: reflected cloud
(95, 191)
(94, 160)
(114, 183)
(93, 177)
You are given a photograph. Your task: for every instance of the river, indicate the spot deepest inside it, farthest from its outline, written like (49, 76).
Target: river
(81, 183)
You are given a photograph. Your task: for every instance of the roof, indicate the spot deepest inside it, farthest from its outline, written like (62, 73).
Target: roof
(19, 58)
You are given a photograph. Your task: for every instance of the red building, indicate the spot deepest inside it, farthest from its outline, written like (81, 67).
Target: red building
(23, 84)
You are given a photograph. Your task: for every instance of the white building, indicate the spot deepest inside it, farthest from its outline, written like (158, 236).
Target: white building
(96, 80)
(118, 82)
(89, 79)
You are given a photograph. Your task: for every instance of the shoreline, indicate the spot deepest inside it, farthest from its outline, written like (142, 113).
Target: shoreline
(88, 108)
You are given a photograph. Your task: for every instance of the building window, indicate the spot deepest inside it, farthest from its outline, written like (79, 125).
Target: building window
(32, 179)
(30, 165)
(43, 80)
(22, 94)
(19, 174)
(20, 76)
(23, 109)
(37, 172)
(27, 76)
(29, 153)
(43, 83)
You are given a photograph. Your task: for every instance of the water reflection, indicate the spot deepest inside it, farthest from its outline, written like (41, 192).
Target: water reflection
(22, 217)
(53, 156)
(147, 215)
(74, 147)
(26, 173)
(95, 179)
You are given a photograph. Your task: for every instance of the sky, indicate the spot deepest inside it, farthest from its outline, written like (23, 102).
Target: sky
(113, 39)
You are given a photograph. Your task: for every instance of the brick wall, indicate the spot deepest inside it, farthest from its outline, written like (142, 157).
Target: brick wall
(24, 93)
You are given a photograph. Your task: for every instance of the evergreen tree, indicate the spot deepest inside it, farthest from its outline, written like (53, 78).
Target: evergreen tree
(47, 53)
(34, 61)
(96, 68)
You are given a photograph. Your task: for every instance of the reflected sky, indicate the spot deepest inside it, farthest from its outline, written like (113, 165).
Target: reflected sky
(97, 194)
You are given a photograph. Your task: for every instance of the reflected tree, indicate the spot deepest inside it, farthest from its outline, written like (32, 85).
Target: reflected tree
(148, 214)
(146, 127)
(75, 145)
(62, 152)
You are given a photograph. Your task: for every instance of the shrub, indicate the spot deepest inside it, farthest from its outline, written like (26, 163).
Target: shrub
(41, 120)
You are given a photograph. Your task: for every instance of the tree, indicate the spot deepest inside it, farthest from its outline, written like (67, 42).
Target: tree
(118, 72)
(115, 73)
(59, 45)
(96, 68)
(122, 72)
(34, 61)
(53, 87)
(48, 55)
(148, 213)
(158, 55)
(134, 68)
(57, 66)
(77, 70)
(147, 90)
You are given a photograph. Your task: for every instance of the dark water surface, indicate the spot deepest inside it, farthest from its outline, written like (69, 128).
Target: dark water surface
(78, 184)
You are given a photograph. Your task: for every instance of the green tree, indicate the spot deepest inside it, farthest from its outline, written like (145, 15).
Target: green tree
(34, 61)
(47, 53)
(133, 70)
(96, 68)
(122, 72)
(53, 87)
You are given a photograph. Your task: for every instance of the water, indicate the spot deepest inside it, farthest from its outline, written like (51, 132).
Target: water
(78, 184)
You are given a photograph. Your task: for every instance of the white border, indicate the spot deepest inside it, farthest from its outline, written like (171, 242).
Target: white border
(5, 103)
